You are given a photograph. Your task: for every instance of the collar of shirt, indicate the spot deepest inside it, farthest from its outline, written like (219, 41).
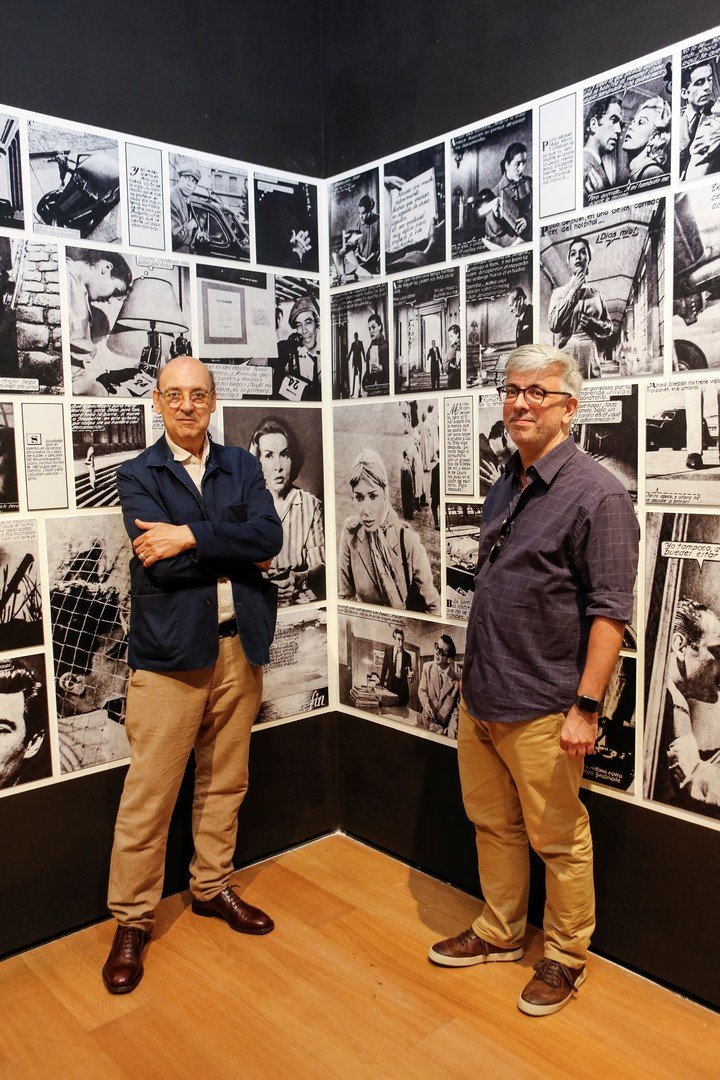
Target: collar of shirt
(546, 467)
(185, 457)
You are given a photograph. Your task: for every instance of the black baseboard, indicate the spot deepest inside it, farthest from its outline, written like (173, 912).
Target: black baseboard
(55, 841)
(656, 877)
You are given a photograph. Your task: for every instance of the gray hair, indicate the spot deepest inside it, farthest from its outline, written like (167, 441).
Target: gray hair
(532, 359)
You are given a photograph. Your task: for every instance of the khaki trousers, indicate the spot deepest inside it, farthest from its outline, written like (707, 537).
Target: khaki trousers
(518, 785)
(169, 714)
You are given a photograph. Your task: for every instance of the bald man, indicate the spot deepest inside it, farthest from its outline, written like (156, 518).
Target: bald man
(203, 529)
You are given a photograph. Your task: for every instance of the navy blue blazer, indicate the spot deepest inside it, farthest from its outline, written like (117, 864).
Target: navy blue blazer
(173, 607)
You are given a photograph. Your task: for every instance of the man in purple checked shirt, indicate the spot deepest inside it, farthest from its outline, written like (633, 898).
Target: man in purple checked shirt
(553, 591)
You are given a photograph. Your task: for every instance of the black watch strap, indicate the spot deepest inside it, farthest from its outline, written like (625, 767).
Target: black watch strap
(587, 704)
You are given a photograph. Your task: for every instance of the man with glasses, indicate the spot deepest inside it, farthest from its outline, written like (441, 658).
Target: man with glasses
(203, 529)
(439, 690)
(553, 591)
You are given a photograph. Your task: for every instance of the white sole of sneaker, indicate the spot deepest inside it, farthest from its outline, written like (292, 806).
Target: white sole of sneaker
(470, 961)
(529, 1009)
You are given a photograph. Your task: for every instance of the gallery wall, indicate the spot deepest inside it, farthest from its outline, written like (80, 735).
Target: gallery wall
(118, 253)
(588, 220)
(465, 245)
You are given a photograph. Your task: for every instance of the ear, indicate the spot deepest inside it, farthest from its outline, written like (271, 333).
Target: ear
(678, 643)
(105, 268)
(156, 401)
(571, 407)
(34, 745)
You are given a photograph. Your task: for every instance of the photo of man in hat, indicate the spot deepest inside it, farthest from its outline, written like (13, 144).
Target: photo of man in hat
(302, 351)
(184, 225)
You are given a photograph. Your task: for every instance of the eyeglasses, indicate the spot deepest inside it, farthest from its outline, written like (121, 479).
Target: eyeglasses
(534, 395)
(175, 398)
(503, 535)
(439, 649)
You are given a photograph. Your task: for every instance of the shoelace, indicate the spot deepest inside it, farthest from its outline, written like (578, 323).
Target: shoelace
(550, 972)
(235, 901)
(467, 936)
(130, 940)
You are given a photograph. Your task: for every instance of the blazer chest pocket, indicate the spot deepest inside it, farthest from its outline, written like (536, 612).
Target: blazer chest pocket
(237, 512)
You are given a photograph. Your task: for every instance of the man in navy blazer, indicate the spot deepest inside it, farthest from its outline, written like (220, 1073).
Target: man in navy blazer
(203, 528)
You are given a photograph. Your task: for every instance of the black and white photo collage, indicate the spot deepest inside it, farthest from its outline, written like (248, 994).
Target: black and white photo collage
(588, 220)
(117, 255)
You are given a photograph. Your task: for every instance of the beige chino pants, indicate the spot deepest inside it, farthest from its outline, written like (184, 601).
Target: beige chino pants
(170, 714)
(518, 785)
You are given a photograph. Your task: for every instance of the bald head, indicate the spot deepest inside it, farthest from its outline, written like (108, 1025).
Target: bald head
(190, 368)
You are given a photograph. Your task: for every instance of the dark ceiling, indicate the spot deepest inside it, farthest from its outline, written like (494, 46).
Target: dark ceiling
(319, 86)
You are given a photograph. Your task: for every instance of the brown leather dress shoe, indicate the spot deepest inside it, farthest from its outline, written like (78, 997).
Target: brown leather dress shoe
(123, 968)
(550, 988)
(237, 914)
(467, 949)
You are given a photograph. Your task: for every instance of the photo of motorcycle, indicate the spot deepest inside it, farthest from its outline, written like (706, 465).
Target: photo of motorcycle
(89, 189)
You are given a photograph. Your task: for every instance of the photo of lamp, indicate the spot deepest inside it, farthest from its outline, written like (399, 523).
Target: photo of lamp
(150, 308)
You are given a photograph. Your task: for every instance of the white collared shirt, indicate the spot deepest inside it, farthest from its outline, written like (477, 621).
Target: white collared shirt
(195, 469)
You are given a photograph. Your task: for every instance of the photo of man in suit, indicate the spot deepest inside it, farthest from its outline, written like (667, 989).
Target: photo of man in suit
(397, 672)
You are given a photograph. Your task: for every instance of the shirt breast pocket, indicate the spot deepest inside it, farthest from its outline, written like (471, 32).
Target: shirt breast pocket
(237, 512)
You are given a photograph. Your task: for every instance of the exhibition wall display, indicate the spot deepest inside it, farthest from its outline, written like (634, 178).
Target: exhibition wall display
(589, 219)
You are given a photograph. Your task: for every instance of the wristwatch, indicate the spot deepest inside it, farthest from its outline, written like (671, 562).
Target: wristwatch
(587, 704)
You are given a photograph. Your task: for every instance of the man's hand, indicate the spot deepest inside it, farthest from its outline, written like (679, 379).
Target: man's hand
(579, 732)
(683, 758)
(161, 541)
(301, 243)
(264, 565)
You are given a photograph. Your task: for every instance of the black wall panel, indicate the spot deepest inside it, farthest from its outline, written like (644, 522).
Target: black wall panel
(55, 841)
(400, 73)
(240, 78)
(657, 878)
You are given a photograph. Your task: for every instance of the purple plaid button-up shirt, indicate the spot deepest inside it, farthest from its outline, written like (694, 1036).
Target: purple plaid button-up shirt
(570, 555)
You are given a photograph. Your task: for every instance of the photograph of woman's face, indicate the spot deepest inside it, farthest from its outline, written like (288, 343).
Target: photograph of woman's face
(276, 462)
(639, 131)
(370, 503)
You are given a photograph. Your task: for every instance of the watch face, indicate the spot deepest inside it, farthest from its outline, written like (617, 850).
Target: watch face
(587, 704)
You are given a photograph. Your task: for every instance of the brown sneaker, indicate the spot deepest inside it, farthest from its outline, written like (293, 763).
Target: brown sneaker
(550, 988)
(467, 949)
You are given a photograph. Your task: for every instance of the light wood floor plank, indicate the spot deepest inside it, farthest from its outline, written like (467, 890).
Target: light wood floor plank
(342, 990)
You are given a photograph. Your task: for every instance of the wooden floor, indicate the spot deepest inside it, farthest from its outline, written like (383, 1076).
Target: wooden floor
(342, 988)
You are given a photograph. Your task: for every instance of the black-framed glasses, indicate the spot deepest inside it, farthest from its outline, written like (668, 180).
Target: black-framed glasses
(439, 649)
(534, 395)
(499, 544)
(175, 398)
